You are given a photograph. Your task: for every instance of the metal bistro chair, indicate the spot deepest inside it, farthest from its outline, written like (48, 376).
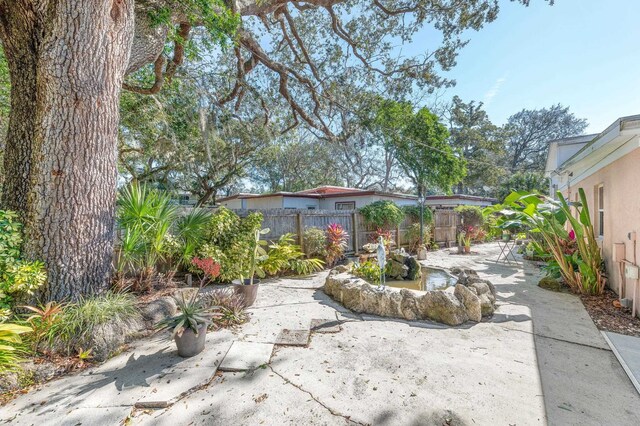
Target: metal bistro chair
(506, 250)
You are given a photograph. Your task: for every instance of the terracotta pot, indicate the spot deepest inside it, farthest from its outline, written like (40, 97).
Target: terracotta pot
(247, 291)
(467, 249)
(188, 343)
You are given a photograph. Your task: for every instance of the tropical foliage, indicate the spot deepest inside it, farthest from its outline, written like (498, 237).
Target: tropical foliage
(336, 243)
(18, 277)
(558, 223)
(9, 345)
(285, 256)
(145, 217)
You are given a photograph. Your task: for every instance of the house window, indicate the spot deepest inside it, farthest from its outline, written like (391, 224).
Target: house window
(600, 205)
(346, 205)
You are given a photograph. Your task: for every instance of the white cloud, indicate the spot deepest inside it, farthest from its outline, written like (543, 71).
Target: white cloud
(495, 89)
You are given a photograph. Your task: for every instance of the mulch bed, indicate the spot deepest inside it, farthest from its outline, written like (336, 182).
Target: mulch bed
(608, 317)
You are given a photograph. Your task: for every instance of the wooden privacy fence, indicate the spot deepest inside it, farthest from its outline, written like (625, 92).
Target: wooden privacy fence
(295, 221)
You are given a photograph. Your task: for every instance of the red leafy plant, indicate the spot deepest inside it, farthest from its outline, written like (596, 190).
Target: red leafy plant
(336, 243)
(210, 267)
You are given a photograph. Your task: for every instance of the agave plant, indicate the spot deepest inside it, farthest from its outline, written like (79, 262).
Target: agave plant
(193, 314)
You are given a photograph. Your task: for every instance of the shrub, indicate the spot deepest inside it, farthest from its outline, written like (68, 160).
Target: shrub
(80, 320)
(413, 236)
(315, 242)
(382, 214)
(471, 215)
(9, 345)
(284, 256)
(230, 241)
(336, 243)
(369, 271)
(413, 212)
(18, 277)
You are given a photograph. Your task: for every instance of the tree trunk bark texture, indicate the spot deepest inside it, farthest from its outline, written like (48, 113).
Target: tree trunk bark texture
(61, 158)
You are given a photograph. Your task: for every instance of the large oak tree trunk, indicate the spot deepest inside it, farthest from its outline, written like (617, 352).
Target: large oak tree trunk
(61, 150)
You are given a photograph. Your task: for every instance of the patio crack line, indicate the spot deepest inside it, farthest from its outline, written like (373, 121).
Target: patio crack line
(557, 339)
(329, 409)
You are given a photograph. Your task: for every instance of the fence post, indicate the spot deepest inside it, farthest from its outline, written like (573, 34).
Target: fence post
(300, 227)
(398, 236)
(354, 225)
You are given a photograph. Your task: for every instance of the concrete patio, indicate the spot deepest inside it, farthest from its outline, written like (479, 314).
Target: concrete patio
(539, 360)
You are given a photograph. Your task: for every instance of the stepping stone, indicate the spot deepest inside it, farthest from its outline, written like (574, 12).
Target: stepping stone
(244, 356)
(325, 325)
(293, 337)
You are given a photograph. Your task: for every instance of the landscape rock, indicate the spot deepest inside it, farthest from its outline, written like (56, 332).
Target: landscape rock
(397, 270)
(471, 302)
(107, 338)
(415, 269)
(442, 306)
(341, 269)
(159, 309)
(187, 292)
(549, 283)
(486, 304)
(408, 305)
(403, 266)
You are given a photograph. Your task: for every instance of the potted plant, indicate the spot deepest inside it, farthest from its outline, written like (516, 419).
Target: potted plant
(247, 285)
(464, 242)
(189, 326)
(506, 235)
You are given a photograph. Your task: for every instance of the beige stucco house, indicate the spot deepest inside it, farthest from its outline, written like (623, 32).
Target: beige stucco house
(607, 167)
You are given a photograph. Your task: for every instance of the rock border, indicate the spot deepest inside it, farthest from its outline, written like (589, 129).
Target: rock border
(469, 300)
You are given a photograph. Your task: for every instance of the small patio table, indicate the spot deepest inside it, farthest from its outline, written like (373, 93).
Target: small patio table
(506, 250)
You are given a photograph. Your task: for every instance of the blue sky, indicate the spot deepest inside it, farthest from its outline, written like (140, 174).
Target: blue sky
(580, 53)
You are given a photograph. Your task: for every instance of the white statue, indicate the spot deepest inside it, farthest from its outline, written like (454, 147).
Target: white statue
(382, 262)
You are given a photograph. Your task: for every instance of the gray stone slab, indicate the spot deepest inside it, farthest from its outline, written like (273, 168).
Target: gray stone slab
(319, 325)
(244, 356)
(627, 350)
(293, 337)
